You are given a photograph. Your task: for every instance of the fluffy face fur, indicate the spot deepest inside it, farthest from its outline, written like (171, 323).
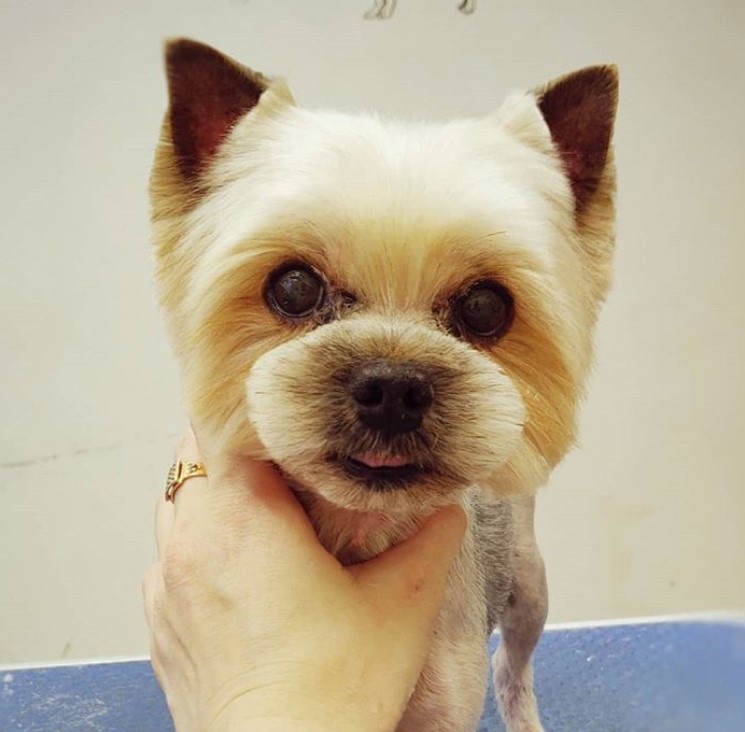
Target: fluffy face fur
(397, 223)
(398, 220)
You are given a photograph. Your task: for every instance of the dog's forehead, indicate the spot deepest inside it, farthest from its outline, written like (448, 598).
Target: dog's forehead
(399, 169)
(393, 207)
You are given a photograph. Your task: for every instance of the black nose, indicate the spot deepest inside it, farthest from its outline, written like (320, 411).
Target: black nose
(390, 397)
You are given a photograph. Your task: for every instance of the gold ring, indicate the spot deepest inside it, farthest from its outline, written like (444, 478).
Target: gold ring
(179, 473)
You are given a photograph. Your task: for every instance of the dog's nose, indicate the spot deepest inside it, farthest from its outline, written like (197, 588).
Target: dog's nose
(390, 397)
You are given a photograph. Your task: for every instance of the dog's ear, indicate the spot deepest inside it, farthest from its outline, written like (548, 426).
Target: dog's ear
(580, 110)
(208, 93)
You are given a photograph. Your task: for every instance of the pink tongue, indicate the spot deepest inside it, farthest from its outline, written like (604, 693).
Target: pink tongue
(373, 460)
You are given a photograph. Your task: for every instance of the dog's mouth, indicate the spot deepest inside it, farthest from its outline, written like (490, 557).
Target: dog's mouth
(379, 470)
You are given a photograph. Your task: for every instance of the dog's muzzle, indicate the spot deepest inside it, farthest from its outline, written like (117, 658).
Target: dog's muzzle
(390, 397)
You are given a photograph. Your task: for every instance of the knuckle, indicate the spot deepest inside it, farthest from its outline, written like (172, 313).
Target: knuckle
(180, 563)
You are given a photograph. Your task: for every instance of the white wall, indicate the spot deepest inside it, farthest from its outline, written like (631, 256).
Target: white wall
(648, 516)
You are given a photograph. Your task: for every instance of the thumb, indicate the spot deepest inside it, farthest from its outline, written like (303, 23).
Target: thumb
(413, 574)
(243, 490)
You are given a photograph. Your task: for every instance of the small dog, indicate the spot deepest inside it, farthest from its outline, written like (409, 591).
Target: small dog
(400, 316)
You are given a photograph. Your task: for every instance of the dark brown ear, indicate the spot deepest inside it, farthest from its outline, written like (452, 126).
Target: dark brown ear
(580, 110)
(209, 92)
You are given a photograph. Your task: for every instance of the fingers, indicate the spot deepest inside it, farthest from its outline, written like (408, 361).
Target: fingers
(187, 451)
(414, 574)
(254, 494)
(238, 491)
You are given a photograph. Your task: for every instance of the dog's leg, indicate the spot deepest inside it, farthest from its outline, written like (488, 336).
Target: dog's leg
(521, 623)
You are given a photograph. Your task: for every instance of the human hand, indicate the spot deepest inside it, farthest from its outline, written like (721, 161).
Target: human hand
(255, 626)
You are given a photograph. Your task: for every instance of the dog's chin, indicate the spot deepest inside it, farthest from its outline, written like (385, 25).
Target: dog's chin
(362, 483)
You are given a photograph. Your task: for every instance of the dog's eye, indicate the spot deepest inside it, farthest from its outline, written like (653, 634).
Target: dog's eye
(485, 310)
(295, 292)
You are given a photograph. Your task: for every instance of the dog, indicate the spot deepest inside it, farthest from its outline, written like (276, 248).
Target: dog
(400, 316)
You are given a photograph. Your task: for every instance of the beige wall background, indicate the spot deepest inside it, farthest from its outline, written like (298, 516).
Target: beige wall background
(647, 516)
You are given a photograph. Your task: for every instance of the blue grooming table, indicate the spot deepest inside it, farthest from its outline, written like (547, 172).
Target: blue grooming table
(676, 676)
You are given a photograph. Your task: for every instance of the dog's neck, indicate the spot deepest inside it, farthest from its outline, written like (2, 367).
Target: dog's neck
(355, 536)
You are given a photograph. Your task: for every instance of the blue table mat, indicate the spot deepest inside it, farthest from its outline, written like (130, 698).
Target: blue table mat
(652, 677)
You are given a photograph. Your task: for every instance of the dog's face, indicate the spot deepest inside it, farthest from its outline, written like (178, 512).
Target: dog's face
(391, 313)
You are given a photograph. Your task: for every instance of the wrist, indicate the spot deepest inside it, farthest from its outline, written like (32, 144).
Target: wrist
(291, 714)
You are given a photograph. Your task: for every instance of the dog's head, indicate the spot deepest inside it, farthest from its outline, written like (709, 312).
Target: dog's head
(390, 312)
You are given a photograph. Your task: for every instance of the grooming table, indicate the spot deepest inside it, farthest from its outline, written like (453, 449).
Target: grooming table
(676, 675)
